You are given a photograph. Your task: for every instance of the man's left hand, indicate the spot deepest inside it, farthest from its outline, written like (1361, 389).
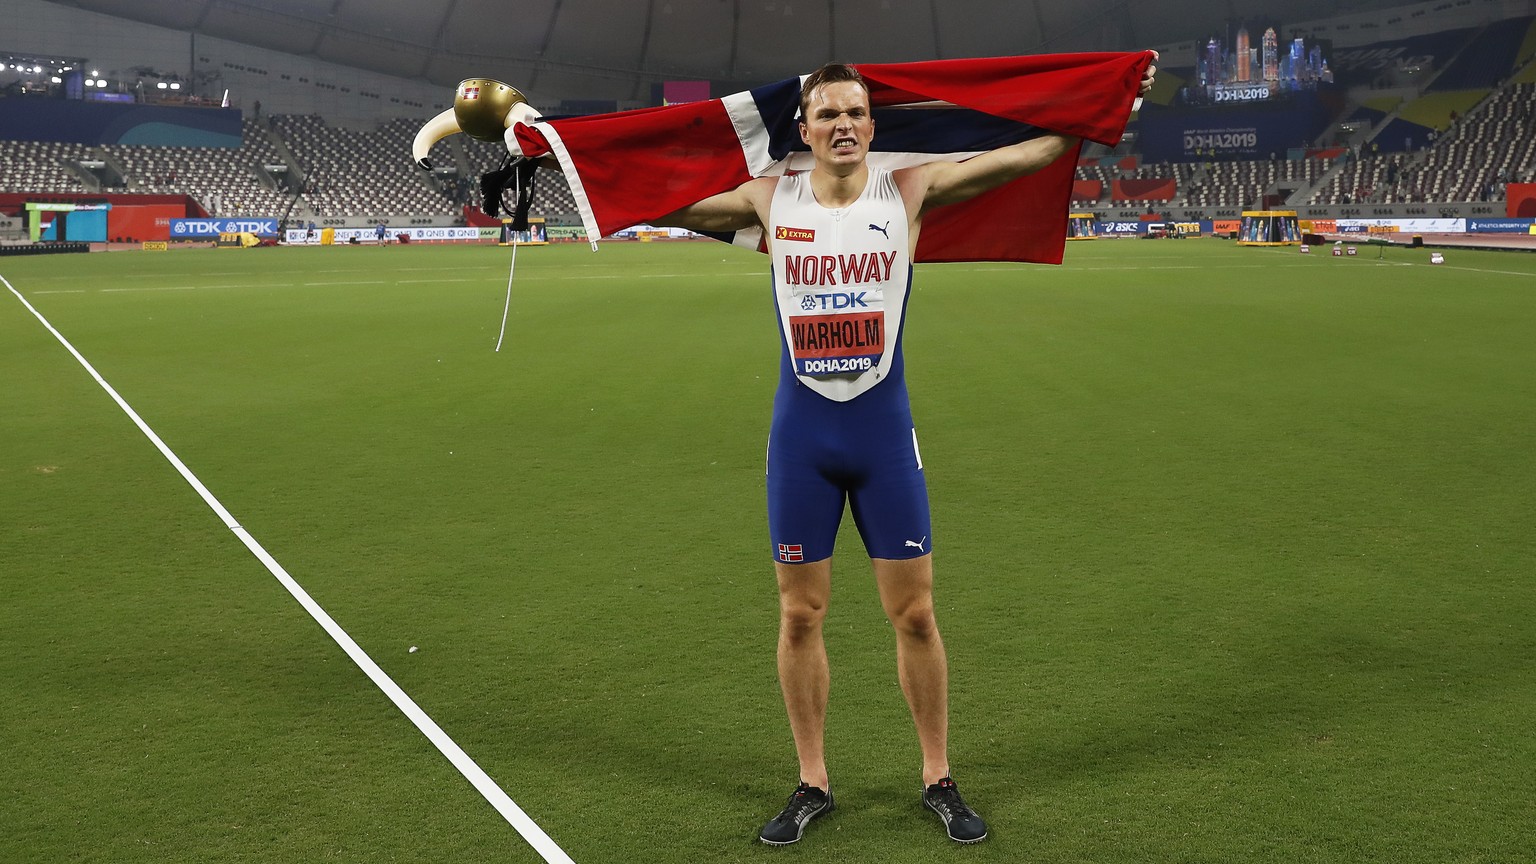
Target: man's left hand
(1147, 76)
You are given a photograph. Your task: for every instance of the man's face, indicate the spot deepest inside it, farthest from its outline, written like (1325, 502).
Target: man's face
(837, 125)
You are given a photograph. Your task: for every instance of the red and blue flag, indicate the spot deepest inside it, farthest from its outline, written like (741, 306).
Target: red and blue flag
(631, 167)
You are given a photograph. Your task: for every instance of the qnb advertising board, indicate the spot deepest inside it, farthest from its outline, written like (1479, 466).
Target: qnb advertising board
(1240, 131)
(303, 236)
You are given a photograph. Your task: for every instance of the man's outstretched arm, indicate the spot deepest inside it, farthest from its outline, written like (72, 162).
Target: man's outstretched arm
(942, 183)
(735, 210)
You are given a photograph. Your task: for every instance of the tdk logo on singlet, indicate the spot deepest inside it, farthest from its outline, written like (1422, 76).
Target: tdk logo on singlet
(838, 269)
(833, 301)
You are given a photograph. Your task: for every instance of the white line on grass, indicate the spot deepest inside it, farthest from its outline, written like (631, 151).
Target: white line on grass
(439, 269)
(1422, 263)
(472, 772)
(415, 281)
(1070, 268)
(1482, 270)
(156, 275)
(648, 276)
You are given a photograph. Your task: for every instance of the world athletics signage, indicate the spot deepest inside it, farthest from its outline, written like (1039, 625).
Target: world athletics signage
(1250, 131)
(1500, 226)
(210, 229)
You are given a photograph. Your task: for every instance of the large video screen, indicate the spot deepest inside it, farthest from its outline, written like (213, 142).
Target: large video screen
(1254, 62)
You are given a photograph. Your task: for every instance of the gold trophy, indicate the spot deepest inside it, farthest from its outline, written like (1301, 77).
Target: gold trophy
(484, 109)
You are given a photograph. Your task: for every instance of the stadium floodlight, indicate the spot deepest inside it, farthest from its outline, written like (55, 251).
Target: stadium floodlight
(160, 85)
(101, 82)
(94, 73)
(175, 85)
(56, 80)
(90, 82)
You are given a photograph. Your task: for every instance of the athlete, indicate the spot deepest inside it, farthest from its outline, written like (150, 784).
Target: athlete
(841, 241)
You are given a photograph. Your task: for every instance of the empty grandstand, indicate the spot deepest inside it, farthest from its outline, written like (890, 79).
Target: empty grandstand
(1423, 104)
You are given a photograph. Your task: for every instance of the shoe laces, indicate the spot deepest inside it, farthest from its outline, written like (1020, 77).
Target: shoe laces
(799, 802)
(946, 796)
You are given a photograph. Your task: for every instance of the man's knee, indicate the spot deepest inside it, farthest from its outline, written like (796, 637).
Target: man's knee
(801, 617)
(915, 620)
(804, 590)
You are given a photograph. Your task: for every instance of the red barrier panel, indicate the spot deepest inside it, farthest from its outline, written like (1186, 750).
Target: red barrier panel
(1150, 189)
(137, 223)
(1087, 190)
(476, 218)
(1520, 200)
(11, 202)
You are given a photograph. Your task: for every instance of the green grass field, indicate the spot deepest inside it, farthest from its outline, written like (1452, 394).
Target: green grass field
(1235, 554)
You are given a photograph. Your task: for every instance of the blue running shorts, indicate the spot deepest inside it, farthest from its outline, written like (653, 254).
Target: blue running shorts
(822, 453)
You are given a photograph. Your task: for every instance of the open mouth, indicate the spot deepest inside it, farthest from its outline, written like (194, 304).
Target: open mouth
(844, 144)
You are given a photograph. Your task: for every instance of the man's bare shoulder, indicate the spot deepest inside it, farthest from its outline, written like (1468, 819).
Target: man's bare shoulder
(913, 182)
(759, 189)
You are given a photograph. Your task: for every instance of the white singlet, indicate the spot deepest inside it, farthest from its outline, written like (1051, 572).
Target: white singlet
(840, 279)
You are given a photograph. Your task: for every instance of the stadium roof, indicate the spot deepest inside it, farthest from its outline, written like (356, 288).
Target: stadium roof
(613, 44)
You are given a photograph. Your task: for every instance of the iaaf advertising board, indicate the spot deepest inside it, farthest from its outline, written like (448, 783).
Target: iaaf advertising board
(182, 229)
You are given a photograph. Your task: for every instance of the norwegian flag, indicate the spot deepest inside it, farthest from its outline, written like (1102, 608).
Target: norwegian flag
(791, 553)
(630, 167)
(471, 92)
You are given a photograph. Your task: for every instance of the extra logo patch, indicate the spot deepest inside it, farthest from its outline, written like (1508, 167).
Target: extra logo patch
(804, 235)
(791, 553)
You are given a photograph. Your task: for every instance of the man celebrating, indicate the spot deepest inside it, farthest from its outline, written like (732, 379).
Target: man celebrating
(842, 237)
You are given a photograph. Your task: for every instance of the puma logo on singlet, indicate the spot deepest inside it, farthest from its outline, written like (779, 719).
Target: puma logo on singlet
(874, 227)
(916, 544)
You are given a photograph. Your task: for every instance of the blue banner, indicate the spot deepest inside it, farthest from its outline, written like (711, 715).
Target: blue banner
(1500, 226)
(1253, 131)
(115, 123)
(1364, 64)
(185, 229)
